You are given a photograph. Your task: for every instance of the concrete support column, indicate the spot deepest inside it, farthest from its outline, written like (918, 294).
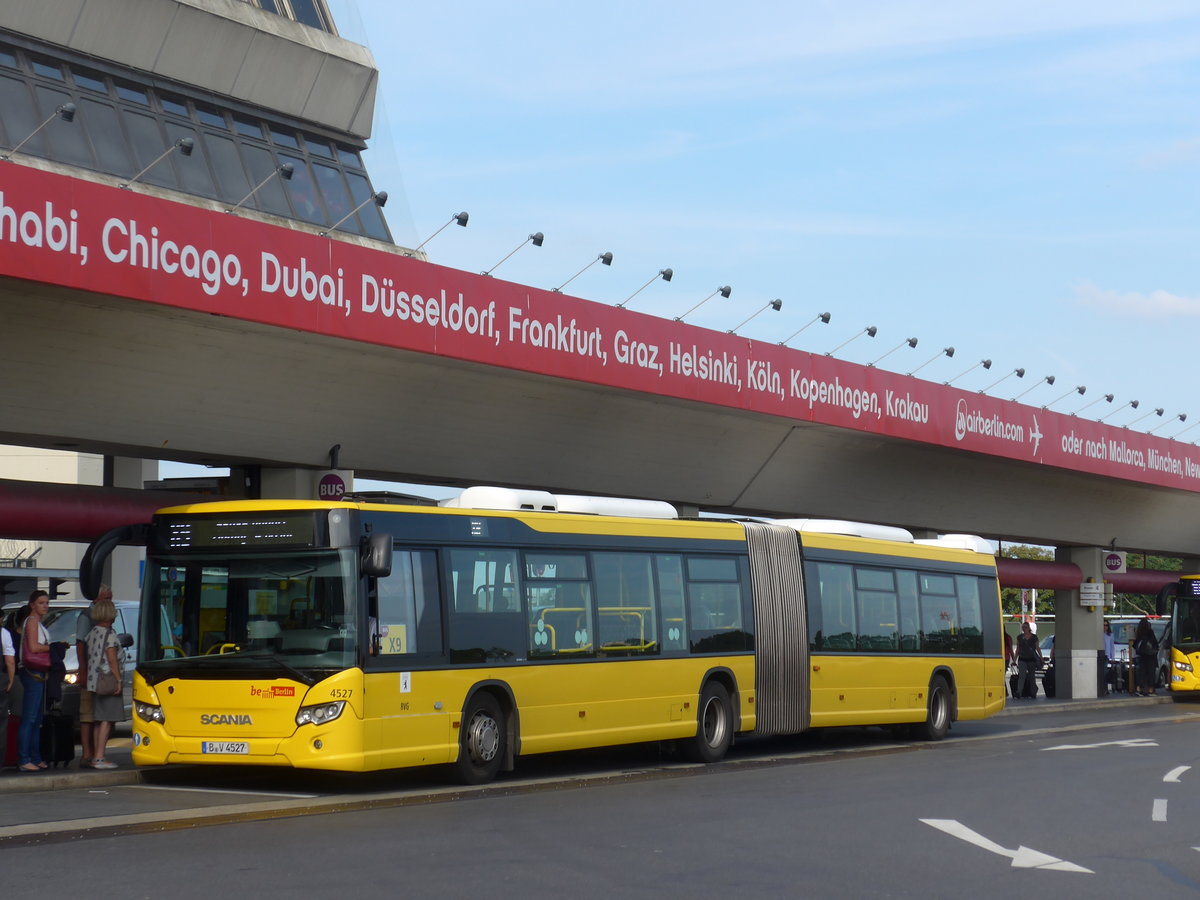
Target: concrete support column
(304, 484)
(125, 573)
(1078, 630)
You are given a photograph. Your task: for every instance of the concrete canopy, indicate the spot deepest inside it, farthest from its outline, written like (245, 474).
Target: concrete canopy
(109, 375)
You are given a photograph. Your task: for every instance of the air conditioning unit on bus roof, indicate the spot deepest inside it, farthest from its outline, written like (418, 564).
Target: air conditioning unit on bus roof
(850, 529)
(481, 497)
(961, 542)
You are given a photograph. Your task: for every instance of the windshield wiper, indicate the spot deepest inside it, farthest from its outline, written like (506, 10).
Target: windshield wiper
(287, 667)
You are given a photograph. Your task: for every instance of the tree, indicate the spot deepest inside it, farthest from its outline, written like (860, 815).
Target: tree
(1144, 604)
(1010, 598)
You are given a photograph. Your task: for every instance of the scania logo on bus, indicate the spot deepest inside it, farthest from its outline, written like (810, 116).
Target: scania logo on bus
(225, 719)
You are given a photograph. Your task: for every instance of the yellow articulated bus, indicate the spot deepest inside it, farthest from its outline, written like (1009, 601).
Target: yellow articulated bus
(1183, 668)
(363, 635)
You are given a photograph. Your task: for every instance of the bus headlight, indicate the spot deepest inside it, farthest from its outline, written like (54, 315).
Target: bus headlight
(320, 714)
(147, 712)
(1183, 666)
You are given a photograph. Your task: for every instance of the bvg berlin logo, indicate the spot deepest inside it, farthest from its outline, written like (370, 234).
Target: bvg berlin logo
(275, 690)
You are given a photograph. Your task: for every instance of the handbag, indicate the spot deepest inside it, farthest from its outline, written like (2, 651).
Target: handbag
(108, 683)
(34, 660)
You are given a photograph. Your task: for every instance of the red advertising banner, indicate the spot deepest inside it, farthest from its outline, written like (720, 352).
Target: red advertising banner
(77, 234)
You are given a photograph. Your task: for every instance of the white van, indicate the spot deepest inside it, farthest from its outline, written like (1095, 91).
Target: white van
(60, 622)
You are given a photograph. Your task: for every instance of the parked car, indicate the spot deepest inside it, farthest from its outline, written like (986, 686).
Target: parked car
(60, 622)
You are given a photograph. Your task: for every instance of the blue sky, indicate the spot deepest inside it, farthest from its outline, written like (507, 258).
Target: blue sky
(1016, 179)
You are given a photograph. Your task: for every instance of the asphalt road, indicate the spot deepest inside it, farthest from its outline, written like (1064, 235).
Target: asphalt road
(1082, 802)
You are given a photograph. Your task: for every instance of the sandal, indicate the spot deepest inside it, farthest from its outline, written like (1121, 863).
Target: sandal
(42, 765)
(103, 764)
(86, 763)
(29, 767)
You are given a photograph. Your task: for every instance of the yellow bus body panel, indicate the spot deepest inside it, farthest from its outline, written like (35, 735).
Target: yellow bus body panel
(1180, 680)
(890, 690)
(413, 718)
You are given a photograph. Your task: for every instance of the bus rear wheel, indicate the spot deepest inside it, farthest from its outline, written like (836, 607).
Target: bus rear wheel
(937, 719)
(714, 726)
(483, 743)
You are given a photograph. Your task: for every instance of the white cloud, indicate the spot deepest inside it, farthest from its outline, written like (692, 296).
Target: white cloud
(1156, 304)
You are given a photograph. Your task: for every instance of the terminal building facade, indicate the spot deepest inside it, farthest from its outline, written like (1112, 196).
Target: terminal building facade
(255, 106)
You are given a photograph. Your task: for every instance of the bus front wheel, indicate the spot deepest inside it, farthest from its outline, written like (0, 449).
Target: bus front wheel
(483, 742)
(714, 726)
(937, 720)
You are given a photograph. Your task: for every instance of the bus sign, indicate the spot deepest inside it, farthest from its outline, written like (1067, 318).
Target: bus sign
(332, 485)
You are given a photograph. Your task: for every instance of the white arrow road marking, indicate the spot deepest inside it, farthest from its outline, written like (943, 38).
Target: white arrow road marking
(1134, 742)
(1022, 857)
(1160, 811)
(1174, 774)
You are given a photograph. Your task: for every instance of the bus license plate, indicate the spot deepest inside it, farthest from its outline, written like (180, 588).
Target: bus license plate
(226, 747)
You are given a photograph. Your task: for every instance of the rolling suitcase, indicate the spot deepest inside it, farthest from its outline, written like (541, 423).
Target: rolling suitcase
(1030, 685)
(58, 739)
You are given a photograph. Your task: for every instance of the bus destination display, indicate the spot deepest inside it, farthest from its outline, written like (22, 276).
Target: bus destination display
(211, 532)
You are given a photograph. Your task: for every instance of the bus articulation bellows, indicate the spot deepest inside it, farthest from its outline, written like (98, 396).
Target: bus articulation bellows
(363, 635)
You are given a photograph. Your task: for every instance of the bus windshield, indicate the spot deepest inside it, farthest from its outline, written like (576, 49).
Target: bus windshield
(1186, 631)
(290, 613)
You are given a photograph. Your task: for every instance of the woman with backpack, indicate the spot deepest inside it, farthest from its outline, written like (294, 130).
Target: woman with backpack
(1145, 649)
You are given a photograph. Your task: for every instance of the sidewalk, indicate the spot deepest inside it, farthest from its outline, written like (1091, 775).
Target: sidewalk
(119, 751)
(1043, 704)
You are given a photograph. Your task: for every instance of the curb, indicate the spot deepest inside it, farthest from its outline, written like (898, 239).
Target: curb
(1037, 707)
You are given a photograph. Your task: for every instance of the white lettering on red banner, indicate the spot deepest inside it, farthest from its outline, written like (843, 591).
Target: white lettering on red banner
(81, 235)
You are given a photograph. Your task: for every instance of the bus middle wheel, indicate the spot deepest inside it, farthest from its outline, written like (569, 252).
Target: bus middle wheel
(714, 726)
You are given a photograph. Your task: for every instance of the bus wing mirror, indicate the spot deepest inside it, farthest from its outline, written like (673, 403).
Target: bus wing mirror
(91, 567)
(125, 640)
(377, 555)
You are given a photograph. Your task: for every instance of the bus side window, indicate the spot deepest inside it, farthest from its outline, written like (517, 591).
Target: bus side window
(481, 626)
(669, 570)
(939, 614)
(910, 612)
(625, 604)
(837, 606)
(969, 615)
(714, 597)
(876, 609)
(559, 598)
(408, 616)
